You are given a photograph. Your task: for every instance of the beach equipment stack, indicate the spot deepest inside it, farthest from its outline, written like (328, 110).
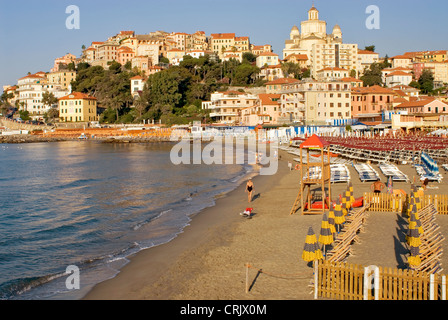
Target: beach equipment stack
(311, 251)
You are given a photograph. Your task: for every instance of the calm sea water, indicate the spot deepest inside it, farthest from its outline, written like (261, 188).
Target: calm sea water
(92, 205)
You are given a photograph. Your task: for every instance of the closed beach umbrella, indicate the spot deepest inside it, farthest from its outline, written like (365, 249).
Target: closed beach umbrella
(325, 237)
(390, 185)
(339, 218)
(414, 232)
(311, 251)
(331, 220)
(414, 259)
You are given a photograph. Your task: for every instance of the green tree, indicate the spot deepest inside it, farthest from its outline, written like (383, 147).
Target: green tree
(52, 114)
(370, 48)
(291, 68)
(373, 75)
(48, 99)
(426, 81)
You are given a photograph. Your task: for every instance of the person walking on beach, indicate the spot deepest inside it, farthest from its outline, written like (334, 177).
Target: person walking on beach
(377, 186)
(249, 189)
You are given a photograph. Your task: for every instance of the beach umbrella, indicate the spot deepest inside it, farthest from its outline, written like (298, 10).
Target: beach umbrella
(311, 251)
(351, 194)
(414, 259)
(331, 217)
(339, 218)
(390, 185)
(415, 230)
(325, 237)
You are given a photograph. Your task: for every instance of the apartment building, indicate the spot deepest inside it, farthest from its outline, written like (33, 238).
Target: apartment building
(334, 55)
(370, 102)
(77, 107)
(265, 111)
(226, 107)
(61, 78)
(31, 89)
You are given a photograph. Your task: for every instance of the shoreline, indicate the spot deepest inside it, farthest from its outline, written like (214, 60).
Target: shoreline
(151, 273)
(207, 261)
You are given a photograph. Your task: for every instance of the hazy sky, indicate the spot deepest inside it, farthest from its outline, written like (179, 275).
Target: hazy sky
(33, 33)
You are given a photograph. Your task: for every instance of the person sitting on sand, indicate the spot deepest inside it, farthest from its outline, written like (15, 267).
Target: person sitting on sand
(249, 189)
(377, 186)
(425, 183)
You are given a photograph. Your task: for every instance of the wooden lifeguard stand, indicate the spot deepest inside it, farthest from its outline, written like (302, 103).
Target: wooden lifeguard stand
(314, 174)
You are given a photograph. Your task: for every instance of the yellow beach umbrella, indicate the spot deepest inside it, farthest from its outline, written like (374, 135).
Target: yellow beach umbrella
(414, 232)
(339, 215)
(311, 251)
(325, 237)
(331, 217)
(414, 259)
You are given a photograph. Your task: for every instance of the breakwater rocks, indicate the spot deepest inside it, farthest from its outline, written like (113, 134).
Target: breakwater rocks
(14, 139)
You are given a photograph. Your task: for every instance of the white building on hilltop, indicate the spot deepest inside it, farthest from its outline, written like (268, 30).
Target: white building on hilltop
(323, 50)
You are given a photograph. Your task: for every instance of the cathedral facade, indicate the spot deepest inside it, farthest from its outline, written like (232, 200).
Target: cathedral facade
(322, 49)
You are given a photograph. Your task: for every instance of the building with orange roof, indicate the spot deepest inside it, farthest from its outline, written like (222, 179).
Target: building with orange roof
(125, 55)
(282, 85)
(366, 58)
(398, 78)
(265, 111)
(64, 61)
(226, 107)
(404, 61)
(370, 102)
(256, 50)
(355, 83)
(31, 90)
(78, 107)
(331, 74)
(301, 59)
(423, 106)
(271, 73)
(267, 59)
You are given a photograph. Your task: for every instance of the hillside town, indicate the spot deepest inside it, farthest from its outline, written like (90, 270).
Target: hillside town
(318, 80)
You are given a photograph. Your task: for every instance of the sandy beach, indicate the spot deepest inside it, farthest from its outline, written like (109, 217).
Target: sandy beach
(207, 261)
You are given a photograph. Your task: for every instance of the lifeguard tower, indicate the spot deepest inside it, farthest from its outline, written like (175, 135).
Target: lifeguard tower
(312, 175)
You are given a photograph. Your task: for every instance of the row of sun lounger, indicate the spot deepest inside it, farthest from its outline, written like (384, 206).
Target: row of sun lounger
(431, 241)
(339, 173)
(366, 172)
(341, 247)
(425, 173)
(390, 170)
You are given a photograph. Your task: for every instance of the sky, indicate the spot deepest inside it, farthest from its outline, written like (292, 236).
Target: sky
(34, 33)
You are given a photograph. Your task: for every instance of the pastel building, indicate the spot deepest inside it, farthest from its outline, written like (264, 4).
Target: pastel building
(366, 58)
(265, 111)
(62, 78)
(423, 106)
(398, 78)
(331, 74)
(31, 89)
(369, 102)
(77, 107)
(137, 85)
(65, 60)
(226, 107)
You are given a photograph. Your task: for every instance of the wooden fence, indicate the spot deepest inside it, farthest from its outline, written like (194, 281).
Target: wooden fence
(339, 280)
(386, 202)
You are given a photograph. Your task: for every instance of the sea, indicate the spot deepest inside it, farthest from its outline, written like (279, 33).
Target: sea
(82, 208)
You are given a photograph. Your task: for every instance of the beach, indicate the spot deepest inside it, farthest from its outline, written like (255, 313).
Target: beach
(208, 260)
